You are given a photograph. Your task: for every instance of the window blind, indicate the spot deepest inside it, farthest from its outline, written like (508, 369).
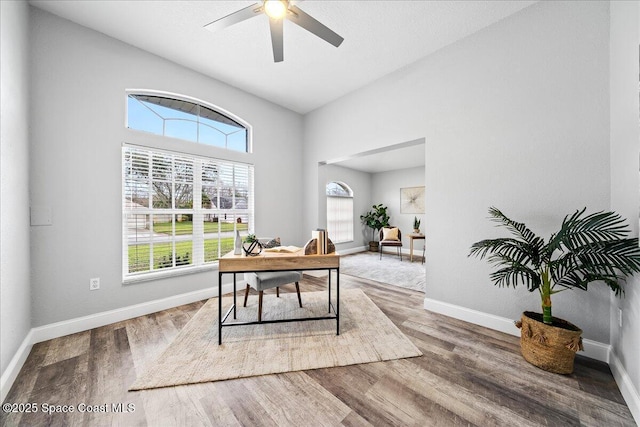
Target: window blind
(340, 219)
(181, 211)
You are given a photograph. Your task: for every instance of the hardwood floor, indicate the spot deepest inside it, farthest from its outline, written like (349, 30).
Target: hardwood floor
(468, 375)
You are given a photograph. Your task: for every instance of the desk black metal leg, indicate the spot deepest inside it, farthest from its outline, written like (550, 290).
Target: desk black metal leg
(338, 301)
(219, 308)
(234, 296)
(329, 291)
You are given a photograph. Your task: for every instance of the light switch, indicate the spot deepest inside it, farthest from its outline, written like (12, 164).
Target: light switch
(41, 215)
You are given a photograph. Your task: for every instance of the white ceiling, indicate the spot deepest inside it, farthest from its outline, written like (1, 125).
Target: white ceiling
(380, 37)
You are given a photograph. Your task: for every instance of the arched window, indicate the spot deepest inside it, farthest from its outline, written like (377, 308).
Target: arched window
(339, 212)
(188, 120)
(181, 211)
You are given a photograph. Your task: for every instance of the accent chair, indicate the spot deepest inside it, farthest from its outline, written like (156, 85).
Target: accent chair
(392, 237)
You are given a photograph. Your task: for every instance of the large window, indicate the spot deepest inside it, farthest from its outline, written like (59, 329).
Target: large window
(339, 212)
(181, 211)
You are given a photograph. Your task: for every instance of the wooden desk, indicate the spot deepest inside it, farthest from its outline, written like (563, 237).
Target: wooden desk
(277, 261)
(413, 237)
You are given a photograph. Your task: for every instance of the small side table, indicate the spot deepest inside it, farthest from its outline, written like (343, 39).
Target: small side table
(413, 237)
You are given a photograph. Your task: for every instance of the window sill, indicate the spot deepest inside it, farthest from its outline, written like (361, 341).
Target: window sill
(156, 275)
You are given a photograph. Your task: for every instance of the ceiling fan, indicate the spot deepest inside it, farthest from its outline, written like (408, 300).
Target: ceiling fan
(278, 11)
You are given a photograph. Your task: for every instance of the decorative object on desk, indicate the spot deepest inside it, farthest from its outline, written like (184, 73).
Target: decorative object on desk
(283, 249)
(311, 247)
(319, 244)
(412, 200)
(587, 248)
(251, 245)
(194, 356)
(270, 243)
(375, 219)
(323, 241)
(416, 225)
(237, 244)
(274, 245)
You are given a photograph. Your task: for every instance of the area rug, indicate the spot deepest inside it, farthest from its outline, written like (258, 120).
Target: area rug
(366, 335)
(389, 269)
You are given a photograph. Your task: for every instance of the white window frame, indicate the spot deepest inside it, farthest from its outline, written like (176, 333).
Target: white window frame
(199, 153)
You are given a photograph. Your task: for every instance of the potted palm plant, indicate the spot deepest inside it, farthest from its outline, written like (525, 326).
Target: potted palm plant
(586, 249)
(375, 219)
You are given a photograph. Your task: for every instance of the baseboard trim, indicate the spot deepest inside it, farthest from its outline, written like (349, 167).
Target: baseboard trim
(85, 323)
(592, 349)
(388, 251)
(13, 369)
(629, 393)
(353, 250)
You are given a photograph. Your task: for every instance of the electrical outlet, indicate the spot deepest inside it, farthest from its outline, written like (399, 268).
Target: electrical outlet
(620, 317)
(94, 284)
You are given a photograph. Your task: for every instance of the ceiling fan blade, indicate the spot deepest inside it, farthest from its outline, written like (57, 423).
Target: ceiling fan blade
(275, 26)
(235, 17)
(312, 25)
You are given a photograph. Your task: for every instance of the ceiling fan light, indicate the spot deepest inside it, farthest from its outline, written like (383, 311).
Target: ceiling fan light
(275, 9)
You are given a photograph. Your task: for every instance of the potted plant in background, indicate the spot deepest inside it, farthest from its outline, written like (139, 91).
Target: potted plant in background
(416, 225)
(587, 248)
(375, 219)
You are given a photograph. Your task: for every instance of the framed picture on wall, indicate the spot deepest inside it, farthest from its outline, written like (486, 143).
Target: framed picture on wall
(412, 200)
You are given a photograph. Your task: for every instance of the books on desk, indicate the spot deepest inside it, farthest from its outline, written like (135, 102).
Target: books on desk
(320, 244)
(283, 249)
(321, 236)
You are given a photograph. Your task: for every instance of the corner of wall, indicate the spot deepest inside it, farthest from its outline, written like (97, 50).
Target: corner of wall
(624, 40)
(15, 258)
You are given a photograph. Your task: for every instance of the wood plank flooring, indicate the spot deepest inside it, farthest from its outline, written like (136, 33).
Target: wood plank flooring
(468, 376)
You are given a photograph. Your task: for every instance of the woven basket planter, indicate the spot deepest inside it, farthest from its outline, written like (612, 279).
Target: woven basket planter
(549, 347)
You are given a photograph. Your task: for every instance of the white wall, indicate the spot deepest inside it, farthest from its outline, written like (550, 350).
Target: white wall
(15, 291)
(514, 116)
(625, 137)
(78, 84)
(386, 190)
